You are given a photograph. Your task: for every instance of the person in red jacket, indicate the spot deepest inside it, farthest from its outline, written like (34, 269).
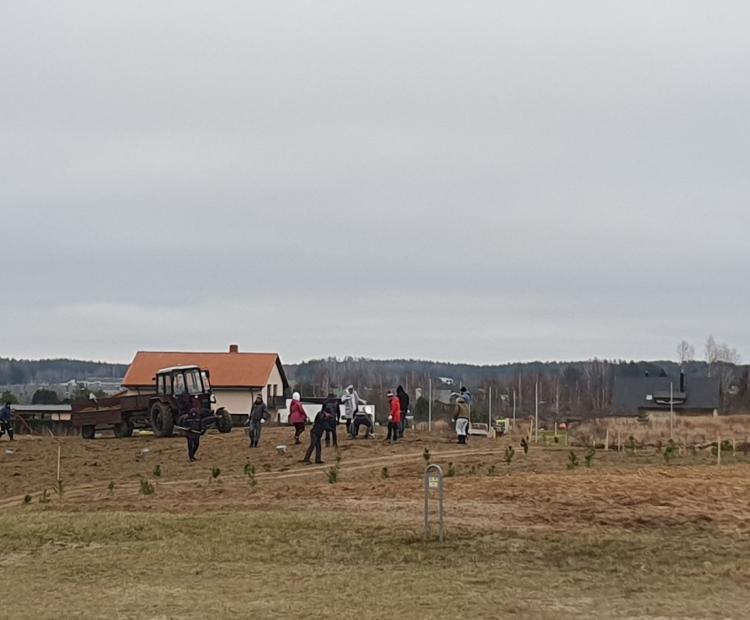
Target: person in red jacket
(394, 419)
(297, 417)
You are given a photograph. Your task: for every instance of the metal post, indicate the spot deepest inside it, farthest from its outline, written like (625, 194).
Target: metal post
(433, 479)
(536, 410)
(429, 411)
(671, 409)
(489, 415)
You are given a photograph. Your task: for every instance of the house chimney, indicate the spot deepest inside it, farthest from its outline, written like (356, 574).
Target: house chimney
(682, 381)
(234, 348)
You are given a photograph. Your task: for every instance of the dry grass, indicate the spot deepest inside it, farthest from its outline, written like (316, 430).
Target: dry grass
(687, 431)
(294, 564)
(631, 537)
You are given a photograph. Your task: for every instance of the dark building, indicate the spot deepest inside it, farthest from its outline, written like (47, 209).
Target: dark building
(651, 395)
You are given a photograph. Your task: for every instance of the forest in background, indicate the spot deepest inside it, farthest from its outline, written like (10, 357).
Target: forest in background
(566, 389)
(23, 372)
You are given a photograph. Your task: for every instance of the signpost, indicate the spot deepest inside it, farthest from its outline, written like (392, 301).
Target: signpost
(433, 481)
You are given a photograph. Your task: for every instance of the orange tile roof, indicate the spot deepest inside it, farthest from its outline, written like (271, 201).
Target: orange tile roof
(250, 370)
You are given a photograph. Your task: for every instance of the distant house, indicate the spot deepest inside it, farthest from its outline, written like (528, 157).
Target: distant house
(651, 395)
(236, 378)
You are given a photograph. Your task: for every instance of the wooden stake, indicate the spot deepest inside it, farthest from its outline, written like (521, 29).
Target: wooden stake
(59, 451)
(606, 440)
(734, 447)
(718, 449)
(619, 443)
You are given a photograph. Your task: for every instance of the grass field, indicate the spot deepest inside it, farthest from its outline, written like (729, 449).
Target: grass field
(630, 537)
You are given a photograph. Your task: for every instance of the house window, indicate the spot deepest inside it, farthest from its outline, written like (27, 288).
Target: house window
(275, 390)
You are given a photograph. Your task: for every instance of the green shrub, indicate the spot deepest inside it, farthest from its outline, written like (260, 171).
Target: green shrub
(525, 445)
(509, 454)
(426, 455)
(27, 499)
(384, 473)
(157, 471)
(451, 470)
(215, 472)
(111, 487)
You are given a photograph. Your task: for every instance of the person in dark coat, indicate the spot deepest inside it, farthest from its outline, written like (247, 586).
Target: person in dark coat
(323, 420)
(6, 421)
(194, 428)
(331, 407)
(255, 419)
(403, 400)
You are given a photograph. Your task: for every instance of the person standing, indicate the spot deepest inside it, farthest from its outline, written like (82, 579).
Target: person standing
(403, 401)
(257, 417)
(322, 420)
(194, 428)
(331, 407)
(6, 421)
(297, 417)
(394, 419)
(351, 401)
(461, 419)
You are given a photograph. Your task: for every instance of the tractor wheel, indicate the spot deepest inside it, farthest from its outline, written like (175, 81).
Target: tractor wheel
(123, 429)
(224, 422)
(162, 420)
(88, 431)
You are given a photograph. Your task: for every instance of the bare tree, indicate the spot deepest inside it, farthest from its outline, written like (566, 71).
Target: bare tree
(720, 352)
(685, 352)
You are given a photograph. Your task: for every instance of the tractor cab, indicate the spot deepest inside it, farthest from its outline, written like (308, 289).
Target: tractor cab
(180, 390)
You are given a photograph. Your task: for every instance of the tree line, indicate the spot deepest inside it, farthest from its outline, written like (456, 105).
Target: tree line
(24, 372)
(565, 389)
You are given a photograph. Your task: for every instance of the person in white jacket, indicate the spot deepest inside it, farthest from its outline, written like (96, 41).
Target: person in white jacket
(354, 416)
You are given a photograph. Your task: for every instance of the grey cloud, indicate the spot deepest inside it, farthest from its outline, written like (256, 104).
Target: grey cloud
(490, 181)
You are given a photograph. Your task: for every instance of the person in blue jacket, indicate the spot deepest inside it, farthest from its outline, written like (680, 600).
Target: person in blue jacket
(6, 421)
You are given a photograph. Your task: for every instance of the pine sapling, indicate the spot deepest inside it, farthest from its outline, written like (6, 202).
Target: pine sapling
(572, 460)
(146, 487)
(589, 457)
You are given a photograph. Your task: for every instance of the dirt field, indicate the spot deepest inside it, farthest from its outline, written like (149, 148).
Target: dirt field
(629, 537)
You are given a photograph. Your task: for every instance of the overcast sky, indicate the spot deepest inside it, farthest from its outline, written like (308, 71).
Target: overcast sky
(478, 181)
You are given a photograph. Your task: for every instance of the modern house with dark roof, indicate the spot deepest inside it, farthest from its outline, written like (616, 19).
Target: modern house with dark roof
(651, 395)
(236, 378)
